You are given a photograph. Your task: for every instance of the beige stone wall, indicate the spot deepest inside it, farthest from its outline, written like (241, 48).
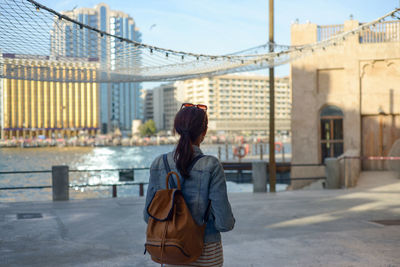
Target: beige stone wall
(356, 77)
(379, 96)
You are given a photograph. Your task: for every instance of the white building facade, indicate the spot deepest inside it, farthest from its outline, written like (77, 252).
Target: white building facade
(236, 103)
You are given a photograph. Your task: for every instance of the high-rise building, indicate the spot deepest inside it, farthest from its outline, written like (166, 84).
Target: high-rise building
(120, 102)
(236, 103)
(148, 104)
(47, 97)
(166, 100)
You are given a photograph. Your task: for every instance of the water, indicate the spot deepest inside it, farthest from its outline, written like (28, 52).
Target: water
(86, 158)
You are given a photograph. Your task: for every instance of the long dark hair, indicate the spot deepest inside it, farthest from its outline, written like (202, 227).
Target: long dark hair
(190, 123)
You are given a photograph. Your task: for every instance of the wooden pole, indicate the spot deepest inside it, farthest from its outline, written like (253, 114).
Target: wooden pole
(272, 163)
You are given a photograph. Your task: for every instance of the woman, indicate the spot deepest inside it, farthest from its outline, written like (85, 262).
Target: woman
(203, 185)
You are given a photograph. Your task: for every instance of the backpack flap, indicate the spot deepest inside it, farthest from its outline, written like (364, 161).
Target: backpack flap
(162, 204)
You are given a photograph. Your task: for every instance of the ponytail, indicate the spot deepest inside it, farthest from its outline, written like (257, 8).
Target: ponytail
(190, 123)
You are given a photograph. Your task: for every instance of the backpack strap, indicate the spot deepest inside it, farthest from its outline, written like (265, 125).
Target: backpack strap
(168, 168)
(172, 181)
(166, 165)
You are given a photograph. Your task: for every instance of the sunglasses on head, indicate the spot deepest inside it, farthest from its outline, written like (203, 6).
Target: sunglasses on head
(200, 106)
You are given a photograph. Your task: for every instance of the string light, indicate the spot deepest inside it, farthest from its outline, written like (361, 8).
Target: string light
(158, 67)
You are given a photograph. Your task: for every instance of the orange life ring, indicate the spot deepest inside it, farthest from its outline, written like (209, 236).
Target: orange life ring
(278, 146)
(240, 151)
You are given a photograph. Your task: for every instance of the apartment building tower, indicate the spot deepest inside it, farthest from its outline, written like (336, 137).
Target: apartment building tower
(41, 96)
(120, 102)
(236, 103)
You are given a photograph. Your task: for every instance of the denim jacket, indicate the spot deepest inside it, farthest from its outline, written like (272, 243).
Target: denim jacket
(206, 182)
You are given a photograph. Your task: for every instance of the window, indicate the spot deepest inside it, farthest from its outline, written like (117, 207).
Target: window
(331, 132)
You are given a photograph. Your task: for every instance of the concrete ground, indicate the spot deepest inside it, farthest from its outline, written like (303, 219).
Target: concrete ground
(293, 228)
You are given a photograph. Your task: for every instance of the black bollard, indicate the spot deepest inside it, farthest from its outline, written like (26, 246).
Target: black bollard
(141, 190)
(60, 181)
(114, 190)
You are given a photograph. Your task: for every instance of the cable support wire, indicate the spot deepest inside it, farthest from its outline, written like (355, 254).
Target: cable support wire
(37, 38)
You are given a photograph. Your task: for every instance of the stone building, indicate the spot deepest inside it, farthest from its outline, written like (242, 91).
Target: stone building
(346, 98)
(41, 96)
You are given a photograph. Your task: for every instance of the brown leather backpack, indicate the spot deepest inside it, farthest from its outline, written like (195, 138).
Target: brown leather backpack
(173, 237)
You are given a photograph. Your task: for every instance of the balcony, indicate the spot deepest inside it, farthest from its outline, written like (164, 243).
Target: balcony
(388, 31)
(327, 31)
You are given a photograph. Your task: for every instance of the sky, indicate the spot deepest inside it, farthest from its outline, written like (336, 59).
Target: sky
(225, 26)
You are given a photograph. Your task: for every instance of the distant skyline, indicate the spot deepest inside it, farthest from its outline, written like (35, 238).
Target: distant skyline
(224, 26)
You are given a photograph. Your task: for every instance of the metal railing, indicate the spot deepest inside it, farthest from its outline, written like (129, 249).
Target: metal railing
(282, 170)
(82, 185)
(282, 167)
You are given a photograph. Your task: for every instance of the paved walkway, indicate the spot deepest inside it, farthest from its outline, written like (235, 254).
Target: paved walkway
(294, 228)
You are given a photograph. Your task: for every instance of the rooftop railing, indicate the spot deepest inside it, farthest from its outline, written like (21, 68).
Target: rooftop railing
(327, 31)
(388, 31)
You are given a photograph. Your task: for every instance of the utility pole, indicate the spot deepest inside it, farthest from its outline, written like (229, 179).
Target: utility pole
(272, 163)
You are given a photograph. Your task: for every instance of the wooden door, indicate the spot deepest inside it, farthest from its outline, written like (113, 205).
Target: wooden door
(379, 132)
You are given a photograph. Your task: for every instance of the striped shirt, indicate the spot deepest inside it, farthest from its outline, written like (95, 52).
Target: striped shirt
(212, 256)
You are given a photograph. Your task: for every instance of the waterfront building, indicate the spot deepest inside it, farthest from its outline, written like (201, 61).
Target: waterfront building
(52, 98)
(166, 101)
(346, 98)
(120, 102)
(236, 103)
(148, 104)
